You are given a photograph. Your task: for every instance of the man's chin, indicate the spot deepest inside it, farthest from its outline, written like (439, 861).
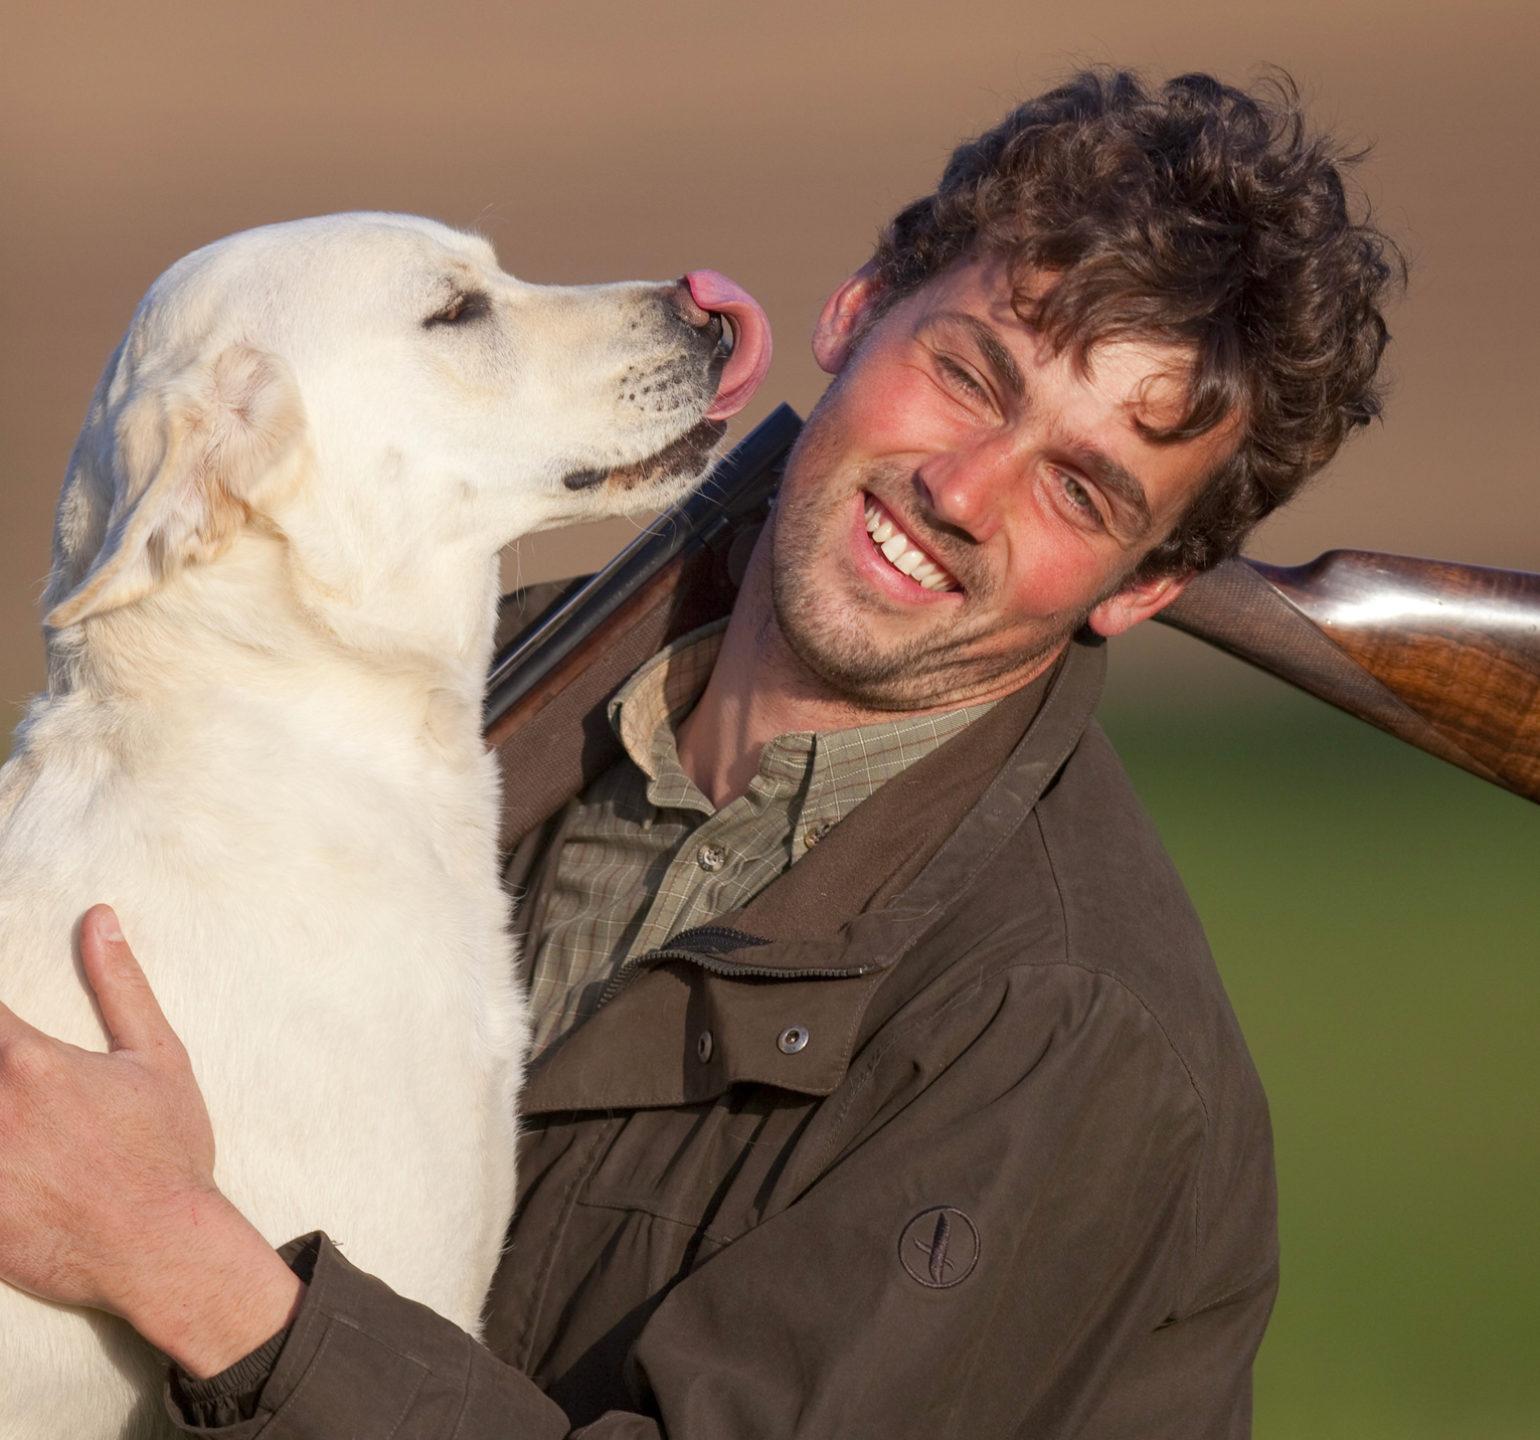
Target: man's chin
(849, 658)
(839, 650)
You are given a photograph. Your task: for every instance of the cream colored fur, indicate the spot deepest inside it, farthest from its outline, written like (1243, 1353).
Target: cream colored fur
(268, 625)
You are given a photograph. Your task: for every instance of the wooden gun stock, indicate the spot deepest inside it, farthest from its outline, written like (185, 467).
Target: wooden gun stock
(1447, 657)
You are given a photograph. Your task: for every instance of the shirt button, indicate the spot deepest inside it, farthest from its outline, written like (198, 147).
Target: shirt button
(815, 833)
(792, 1039)
(711, 857)
(703, 1046)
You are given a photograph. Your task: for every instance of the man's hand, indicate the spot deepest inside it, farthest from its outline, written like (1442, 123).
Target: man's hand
(107, 1194)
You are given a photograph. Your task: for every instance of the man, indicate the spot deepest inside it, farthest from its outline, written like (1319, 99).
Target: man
(885, 1086)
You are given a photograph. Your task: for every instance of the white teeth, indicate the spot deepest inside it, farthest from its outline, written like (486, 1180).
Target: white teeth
(903, 556)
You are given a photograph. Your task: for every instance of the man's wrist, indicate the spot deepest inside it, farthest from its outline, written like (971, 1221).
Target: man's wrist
(214, 1292)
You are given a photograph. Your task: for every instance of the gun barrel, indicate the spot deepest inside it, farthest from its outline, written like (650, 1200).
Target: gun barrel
(739, 483)
(676, 576)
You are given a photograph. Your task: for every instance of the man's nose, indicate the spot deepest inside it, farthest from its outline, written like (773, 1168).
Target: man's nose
(969, 488)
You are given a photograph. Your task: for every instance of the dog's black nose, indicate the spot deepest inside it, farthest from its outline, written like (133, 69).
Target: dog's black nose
(682, 303)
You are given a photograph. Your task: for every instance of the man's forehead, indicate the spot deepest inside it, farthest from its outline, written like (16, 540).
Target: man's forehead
(1150, 380)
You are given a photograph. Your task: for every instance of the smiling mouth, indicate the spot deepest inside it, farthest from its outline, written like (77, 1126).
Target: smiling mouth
(899, 549)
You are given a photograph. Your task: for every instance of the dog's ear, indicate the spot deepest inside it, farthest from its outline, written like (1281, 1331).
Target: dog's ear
(183, 465)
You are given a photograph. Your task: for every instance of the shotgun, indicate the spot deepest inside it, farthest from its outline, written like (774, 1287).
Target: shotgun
(1447, 657)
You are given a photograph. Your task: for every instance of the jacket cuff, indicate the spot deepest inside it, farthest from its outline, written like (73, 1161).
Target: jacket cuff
(214, 1405)
(360, 1359)
(233, 1393)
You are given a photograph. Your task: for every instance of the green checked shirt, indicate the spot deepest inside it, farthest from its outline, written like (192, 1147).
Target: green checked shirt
(645, 854)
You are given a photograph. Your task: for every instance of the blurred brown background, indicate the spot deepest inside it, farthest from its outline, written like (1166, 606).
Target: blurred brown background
(605, 141)
(600, 141)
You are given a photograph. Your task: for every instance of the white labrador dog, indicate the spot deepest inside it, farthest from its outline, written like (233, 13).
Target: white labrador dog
(268, 626)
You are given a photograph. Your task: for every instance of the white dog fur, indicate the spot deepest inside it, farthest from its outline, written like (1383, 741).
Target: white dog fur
(268, 626)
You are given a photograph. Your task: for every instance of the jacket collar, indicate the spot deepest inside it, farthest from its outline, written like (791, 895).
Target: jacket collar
(828, 930)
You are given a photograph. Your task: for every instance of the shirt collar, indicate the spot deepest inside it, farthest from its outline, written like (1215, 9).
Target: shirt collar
(647, 709)
(834, 771)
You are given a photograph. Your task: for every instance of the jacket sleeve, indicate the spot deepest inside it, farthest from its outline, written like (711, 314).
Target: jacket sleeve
(1013, 1243)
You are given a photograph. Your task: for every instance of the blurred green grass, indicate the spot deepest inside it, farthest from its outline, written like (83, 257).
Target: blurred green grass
(1376, 915)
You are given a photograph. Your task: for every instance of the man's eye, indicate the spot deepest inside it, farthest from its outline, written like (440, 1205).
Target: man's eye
(961, 378)
(468, 305)
(1078, 498)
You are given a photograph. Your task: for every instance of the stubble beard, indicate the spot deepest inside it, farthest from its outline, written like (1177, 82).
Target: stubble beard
(938, 665)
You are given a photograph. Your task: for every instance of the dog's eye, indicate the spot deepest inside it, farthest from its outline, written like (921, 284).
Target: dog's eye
(468, 305)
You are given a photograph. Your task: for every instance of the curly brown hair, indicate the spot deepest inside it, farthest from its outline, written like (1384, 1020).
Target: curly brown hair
(1201, 217)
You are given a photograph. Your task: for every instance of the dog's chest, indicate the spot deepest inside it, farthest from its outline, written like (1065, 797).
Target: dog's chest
(334, 955)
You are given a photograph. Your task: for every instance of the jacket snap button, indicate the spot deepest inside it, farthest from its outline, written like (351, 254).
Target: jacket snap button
(792, 1039)
(711, 857)
(815, 833)
(703, 1046)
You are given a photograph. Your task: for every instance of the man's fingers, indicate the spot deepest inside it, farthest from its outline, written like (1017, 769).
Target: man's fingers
(129, 1008)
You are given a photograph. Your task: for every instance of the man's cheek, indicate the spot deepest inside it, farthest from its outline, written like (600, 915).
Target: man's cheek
(1048, 584)
(891, 412)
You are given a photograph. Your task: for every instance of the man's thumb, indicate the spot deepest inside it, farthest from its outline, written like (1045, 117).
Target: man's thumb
(129, 1008)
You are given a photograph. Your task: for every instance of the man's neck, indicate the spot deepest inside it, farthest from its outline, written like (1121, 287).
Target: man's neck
(759, 689)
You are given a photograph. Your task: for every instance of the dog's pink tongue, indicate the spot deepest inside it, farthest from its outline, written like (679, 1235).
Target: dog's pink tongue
(750, 361)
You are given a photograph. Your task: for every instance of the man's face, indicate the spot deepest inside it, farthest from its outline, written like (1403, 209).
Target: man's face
(1017, 493)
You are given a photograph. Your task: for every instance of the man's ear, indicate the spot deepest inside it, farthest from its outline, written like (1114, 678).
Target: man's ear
(1138, 600)
(843, 318)
(187, 461)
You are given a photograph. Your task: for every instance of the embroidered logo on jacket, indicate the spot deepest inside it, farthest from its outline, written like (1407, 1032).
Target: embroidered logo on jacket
(939, 1247)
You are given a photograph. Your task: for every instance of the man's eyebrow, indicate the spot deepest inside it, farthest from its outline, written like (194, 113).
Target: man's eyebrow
(1001, 361)
(1118, 481)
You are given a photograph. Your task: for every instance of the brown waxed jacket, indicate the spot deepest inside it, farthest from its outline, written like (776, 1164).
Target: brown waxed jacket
(948, 1132)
